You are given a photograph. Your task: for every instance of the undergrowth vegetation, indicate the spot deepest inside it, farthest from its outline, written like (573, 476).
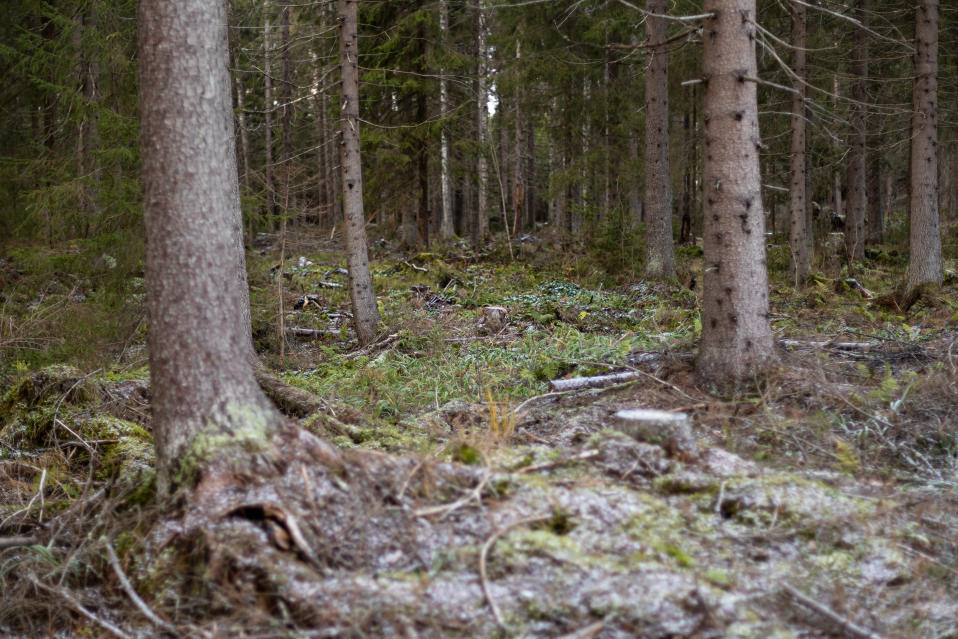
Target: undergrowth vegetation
(823, 471)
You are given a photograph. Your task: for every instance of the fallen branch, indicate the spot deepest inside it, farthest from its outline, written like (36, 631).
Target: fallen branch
(14, 542)
(483, 557)
(842, 346)
(586, 633)
(445, 509)
(80, 608)
(131, 593)
(595, 381)
(851, 629)
(584, 455)
(311, 332)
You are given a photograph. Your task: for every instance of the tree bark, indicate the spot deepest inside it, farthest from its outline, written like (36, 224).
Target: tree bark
(798, 230)
(736, 335)
(361, 294)
(481, 226)
(268, 126)
(199, 343)
(659, 258)
(856, 204)
(446, 227)
(925, 262)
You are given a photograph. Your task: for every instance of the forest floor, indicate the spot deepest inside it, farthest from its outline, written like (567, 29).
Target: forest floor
(450, 492)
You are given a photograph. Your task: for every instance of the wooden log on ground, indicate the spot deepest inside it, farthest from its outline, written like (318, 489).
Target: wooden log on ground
(595, 381)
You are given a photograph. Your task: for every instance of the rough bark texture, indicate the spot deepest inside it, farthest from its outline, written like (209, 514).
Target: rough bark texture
(925, 264)
(736, 335)
(798, 230)
(659, 258)
(199, 342)
(856, 201)
(361, 294)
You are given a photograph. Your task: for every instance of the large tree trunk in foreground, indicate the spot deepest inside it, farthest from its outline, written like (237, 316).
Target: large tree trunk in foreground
(736, 336)
(798, 230)
(365, 311)
(659, 258)
(924, 263)
(204, 391)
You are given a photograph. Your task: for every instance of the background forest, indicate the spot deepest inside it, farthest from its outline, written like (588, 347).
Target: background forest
(532, 222)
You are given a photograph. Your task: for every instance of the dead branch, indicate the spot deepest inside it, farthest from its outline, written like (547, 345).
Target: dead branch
(850, 628)
(842, 346)
(483, 556)
(474, 495)
(595, 381)
(80, 608)
(131, 593)
(13, 542)
(586, 633)
(584, 455)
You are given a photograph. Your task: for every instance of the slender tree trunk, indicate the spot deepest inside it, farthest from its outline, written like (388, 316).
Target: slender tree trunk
(482, 124)
(798, 230)
(856, 203)
(659, 258)
(737, 339)
(201, 377)
(446, 228)
(518, 178)
(875, 215)
(268, 109)
(685, 234)
(925, 262)
(365, 310)
(530, 171)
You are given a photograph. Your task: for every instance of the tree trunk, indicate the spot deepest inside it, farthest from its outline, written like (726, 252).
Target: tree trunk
(204, 394)
(736, 335)
(659, 259)
(446, 228)
(875, 214)
(856, 203)
(268, 125)
(361, 294)
(925, 263)
(481, 224)
(798, 230)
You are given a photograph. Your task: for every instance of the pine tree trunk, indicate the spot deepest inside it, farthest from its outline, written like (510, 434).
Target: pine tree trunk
(856, 203)
(798, 230)
(737, 340)
(201, 377)
(659, 257)
(875, 214)
(925, 261)
(362, 296)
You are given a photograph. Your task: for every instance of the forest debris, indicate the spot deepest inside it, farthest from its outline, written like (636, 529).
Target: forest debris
(595, 381)
(76, 605)
(483, 556)
(493, 318)
(289, 399)
(586, 633)
(849, 627)
(311, 332)
(13, 542)
(310, 299)
(131, 593)
(584, 455)
(670, 430)
(855, 285)
(842, 346)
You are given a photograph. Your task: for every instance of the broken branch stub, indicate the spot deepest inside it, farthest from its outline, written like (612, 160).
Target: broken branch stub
(672, 431)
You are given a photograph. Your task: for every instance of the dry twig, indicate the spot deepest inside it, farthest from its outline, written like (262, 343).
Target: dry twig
(131, 593)
(483, 558)
(850, 628)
